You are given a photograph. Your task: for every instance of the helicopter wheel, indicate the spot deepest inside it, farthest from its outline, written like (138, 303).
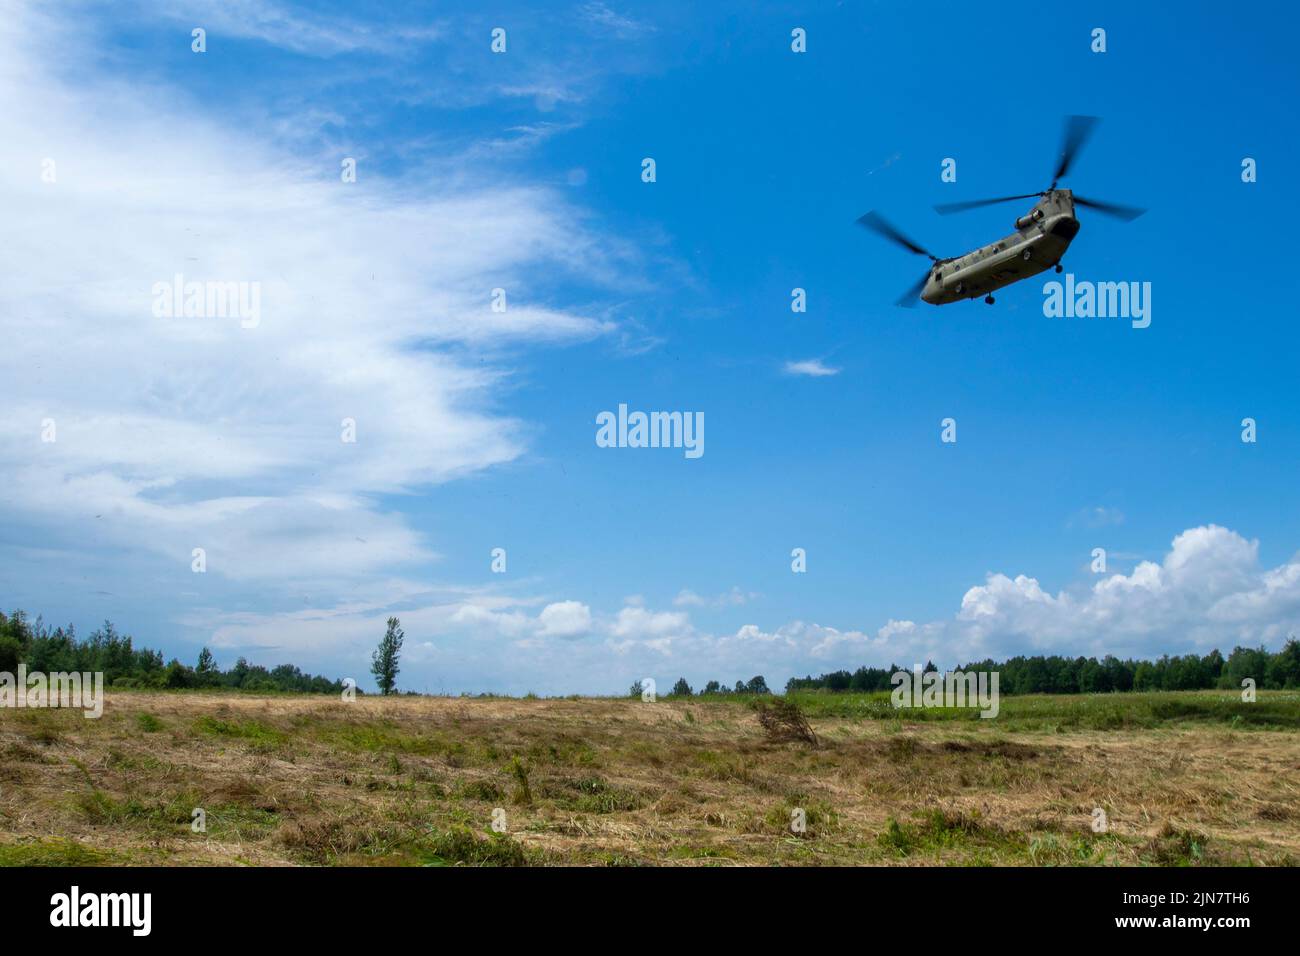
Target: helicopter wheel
(1028, 253)
(1059, 268)
(988, 299)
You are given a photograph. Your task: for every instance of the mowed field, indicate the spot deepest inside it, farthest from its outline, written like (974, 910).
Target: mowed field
(1192, 778)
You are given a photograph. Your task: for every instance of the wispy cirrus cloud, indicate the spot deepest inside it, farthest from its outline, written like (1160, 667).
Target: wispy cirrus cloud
(1098, 516)
(812, 368)
(175, 433)
(732, 598)
(279, 24)
(622, 25)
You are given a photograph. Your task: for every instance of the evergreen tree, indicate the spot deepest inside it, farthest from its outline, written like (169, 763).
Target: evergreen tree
(206, 672)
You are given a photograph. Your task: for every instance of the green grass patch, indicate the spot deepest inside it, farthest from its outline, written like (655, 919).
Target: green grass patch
(1273, 710)
(253, 731)
(54, 853)
(462, 847)
(148, 723)
(384, 737)
(594, 795)
(817, 816)
(939, 830)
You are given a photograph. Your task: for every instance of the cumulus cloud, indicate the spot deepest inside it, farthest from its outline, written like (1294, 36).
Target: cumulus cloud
(564, 619)
(637, 626)
(1209, 590)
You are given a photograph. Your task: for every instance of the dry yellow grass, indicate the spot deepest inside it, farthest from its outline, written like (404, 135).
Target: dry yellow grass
(311, 780)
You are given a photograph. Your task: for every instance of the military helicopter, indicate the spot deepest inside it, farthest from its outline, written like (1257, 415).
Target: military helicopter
(1042, 235)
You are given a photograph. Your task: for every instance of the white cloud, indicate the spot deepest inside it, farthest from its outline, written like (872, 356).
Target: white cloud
(620, 24)
(1208, 591)
(810, 367)
(277, 24)
(634, 624)
(733, 598)
(565, 619)
(180, 433)
(1100, 516)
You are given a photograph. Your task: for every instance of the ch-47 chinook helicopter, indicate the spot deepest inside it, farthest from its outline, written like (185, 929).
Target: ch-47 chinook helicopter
(1042, 235)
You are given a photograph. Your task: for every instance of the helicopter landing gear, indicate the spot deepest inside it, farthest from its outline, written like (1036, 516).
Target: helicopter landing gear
(1028, 254)
(988, 299)
(961, 287)
(1059, 268)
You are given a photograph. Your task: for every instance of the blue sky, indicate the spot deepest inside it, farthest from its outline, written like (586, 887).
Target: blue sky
(476, 429)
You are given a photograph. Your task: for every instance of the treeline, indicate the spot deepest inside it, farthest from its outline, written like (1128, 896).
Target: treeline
(1087, 675)
(755, 685)
(125, 665)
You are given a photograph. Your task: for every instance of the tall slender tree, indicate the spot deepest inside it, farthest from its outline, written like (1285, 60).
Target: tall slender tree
(207, 671)
(384, 662)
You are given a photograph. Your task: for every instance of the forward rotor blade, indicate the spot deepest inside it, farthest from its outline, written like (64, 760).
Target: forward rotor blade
(1078, 129)
(880, 225)
(951, 207)
(909, 298)
(1127, 213)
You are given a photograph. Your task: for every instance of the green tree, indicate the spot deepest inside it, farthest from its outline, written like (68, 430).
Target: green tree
(11, 652)
(383, 663)
(206, 672)
(681, 688)
(1284, 666)
(178, 676)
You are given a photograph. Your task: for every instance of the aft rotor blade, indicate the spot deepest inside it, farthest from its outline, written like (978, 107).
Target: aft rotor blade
(880, 225)
(1127, 213)
(950, 207)
(909, 298)
(1078, 129)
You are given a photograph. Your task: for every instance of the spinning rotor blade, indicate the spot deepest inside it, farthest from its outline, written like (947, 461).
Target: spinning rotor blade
(950, 207)
(909, 298)
(879, 224)
(1127, 213)
(1077, 131)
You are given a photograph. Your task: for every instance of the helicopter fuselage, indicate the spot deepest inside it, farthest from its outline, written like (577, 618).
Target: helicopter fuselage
(1040, 240)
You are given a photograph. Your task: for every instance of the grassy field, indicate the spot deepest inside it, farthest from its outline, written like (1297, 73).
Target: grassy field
(1194, 778)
